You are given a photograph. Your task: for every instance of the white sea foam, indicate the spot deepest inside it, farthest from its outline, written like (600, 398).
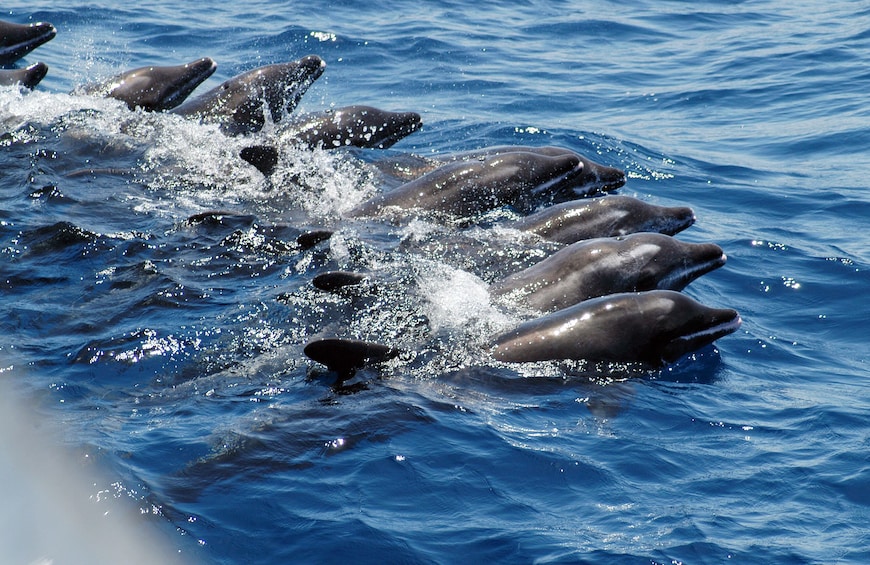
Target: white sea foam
(458, 301)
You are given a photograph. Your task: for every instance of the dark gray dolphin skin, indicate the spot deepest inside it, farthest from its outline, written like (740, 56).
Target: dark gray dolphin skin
(240, 103)
(606, 216)
(595, 178)
(463, 188)
(154, 88)
(17, 40)
(652, 328)
(309, 239)
(345, 356)
(263, 157)
(333, 281)
(27, 77)
(357, 126)
(595, 267)
(351, 126)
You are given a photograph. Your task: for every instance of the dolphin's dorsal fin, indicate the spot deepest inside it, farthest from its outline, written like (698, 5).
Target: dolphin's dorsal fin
(345, 356)
(309, 239)
(336, 280)
(263, 157)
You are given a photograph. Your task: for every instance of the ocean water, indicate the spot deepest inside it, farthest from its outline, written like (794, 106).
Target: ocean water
(167, 355)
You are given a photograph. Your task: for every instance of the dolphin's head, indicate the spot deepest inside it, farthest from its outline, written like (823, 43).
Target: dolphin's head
(172, 85)
(671, 264)
(596, 178)
(588, 178)
(155, 88)
(679, 325)
(283, 84)
(630, 215)
(394, 126)
(670, 220)
(365, 126)
(34, 74)
(278, 88)
(550, 174)
(27, 77)
(17, 40)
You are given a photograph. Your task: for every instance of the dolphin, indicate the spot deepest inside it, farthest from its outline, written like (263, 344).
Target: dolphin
(17, 40)
(653, 328)
(351, 126)
(607, 216)
(27, 77)
(240, 103)
(154, 88)
(595, 267)
(463, 188)
(595, 178)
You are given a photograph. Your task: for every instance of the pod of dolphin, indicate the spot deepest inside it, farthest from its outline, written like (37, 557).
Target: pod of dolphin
(609, 294)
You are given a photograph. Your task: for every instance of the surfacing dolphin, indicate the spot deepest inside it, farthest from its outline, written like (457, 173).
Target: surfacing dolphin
(154, 88)
(463, 188)
(653, 328)
(350, 126)
(27, 77)
(17, 40)
(606, 216)
(595, 267)
(240, 103)
(595, 178)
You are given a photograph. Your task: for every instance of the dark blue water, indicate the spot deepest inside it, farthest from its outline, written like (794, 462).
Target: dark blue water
(171, 352)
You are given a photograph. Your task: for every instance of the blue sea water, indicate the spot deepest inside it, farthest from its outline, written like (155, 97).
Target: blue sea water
(171, 354)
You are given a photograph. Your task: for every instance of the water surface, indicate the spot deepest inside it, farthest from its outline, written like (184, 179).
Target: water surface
(171, 352)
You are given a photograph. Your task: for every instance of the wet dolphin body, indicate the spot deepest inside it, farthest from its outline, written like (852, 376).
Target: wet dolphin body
(155, 88)
(351, 126)
(596, 177)
(240, 103)
(653, 328)
(27, 77)
(607, 216)
(595, 267)
(463, 188)
(17, 40)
